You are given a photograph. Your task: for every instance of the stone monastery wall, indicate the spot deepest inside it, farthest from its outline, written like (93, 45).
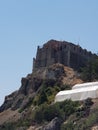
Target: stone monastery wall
(62, 52)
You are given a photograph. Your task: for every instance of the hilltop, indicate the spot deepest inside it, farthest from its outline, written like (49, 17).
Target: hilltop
(58, 66)
(31, 93)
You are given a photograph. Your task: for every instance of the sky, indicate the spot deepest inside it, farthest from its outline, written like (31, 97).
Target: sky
(25, 24)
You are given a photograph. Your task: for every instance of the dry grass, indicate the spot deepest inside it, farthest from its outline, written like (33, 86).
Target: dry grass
(71, 77)
(9, 116)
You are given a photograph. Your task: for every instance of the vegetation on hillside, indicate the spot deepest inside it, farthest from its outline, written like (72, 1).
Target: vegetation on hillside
(73, 115)
(90, 71)
(41, 108)
(47, 92)
(61, 110)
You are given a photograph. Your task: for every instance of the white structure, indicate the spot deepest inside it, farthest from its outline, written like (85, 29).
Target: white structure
(79, 92)
(83, 85)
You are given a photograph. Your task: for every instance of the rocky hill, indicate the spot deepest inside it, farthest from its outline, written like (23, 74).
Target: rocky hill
(57, 75)
(32, 107)
(30, 85)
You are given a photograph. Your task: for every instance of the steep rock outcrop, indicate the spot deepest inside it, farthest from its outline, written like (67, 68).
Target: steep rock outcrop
(30, 85)
(53, 125)
(20, 98)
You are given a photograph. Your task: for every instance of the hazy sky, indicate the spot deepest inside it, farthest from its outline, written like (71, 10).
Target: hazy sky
(24, 24)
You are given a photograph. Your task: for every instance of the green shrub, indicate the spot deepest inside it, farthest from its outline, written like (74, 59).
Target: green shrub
(92, 118)
(42, 98)
(84, 110)
(87, 103)
(68, 126)
(65, 87)
(53, 111)
(20, 110)
(90, 71)
(46, 94)
(38, 113)
(8, 126)
(60, 109)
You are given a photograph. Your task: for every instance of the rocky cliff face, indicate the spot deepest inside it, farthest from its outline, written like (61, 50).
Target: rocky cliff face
(31, 84)
(20, 98)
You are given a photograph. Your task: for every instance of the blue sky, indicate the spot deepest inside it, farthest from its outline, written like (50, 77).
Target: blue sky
(25, 24)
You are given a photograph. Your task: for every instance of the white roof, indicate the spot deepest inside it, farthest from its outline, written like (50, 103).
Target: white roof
(88, 84)
(78, 94)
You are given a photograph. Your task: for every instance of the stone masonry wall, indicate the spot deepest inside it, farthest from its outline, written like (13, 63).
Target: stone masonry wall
(62, 52)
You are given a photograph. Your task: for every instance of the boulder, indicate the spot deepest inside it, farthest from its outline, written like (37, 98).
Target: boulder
(53, 125)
